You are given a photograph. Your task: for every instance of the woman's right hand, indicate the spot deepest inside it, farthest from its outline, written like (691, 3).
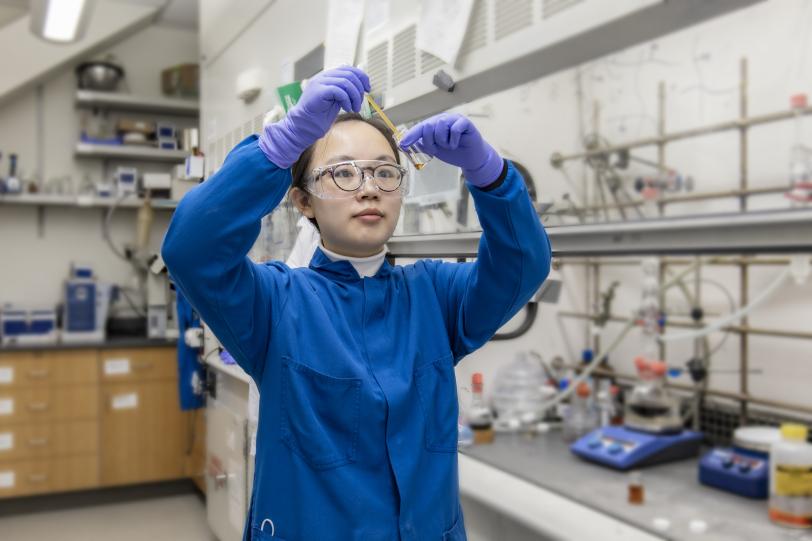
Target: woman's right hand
(313, 115)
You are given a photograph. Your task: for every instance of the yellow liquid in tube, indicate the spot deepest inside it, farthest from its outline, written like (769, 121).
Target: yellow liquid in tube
(418, 159)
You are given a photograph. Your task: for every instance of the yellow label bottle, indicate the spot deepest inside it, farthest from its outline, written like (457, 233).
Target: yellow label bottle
(791, 478)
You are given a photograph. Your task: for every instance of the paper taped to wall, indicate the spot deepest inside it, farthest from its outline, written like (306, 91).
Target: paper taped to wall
(442, 27)
(343, 24)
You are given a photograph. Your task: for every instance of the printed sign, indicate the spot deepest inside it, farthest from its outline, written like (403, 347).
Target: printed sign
(125, 401)
(116, 367)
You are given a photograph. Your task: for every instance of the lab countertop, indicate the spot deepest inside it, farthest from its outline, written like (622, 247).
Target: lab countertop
(110, 343)
(672, 491)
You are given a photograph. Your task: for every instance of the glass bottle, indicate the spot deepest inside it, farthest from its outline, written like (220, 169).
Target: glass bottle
(479, 417)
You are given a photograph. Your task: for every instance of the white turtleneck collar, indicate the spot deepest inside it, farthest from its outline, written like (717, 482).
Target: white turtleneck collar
(364, 266)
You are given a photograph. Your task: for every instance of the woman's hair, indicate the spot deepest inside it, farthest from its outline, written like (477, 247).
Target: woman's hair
(300, 171)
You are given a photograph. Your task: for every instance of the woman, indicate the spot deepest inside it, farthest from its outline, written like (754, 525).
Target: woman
(354, 357)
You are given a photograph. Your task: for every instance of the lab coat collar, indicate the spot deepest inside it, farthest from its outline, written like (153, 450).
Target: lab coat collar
(342, 269)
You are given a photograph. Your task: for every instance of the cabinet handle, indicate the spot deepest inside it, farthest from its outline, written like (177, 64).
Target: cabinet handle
(39, 374)
(38, 442)
(38, 477)
(38, 406)
(142, 365)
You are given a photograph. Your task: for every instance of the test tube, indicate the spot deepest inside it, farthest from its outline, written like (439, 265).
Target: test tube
(419, 159)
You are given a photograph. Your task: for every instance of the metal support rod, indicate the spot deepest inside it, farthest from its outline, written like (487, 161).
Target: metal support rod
(789, 406)
(744, 270)
(596, 114)
(661, 132)
(660, 207)
(596, 296)
(700, 349)
(635, 261)
(738, 329)
(687, 134)
(688, 198)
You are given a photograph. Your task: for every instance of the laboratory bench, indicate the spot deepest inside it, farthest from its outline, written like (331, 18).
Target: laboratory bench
(537, 481)
(81, 416)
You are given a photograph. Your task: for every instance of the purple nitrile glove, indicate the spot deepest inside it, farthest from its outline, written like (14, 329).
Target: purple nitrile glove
(454, 139)
(307, 121)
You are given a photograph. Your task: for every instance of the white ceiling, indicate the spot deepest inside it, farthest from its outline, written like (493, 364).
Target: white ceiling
(177, 13)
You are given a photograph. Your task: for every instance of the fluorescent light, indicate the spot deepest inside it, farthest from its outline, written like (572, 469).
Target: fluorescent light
(62, 19)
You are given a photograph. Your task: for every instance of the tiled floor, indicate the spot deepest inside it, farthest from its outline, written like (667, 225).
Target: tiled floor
(176, 515)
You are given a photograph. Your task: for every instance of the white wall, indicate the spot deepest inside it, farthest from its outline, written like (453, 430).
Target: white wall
(32, 268)
(700, 66)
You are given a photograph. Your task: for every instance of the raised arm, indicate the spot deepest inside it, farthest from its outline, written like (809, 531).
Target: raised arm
(514, 251)
(217, 223)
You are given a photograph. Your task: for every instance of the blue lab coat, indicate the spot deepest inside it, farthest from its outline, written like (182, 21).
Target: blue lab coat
(190, 369)
(357, 437)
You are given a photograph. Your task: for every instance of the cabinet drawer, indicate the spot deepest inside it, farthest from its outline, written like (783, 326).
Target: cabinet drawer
(48, 475)
(132, 365)
(48, 404)
(49, 440)
(23, 370)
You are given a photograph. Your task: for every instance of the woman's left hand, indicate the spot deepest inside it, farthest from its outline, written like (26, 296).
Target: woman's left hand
(454, 139)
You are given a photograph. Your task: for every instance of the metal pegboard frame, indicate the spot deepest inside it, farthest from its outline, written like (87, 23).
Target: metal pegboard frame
(781, 231)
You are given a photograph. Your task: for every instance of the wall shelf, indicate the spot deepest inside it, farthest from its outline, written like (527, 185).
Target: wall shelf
(126, 102)
(750, 232)
(88, 150)
(55, 200)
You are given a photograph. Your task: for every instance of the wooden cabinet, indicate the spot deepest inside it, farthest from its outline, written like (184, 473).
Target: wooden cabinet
(57, 474)
(144, 433)
(49, 439)
(85, 418)
(49, 421)
(25, 370)
(137, 365)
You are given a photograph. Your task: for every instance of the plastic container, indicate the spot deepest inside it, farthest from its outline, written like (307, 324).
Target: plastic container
(581, 417)
(791, 478)
(520, 390)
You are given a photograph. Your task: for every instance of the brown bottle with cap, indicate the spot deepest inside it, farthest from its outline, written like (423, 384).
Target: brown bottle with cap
(480, 417)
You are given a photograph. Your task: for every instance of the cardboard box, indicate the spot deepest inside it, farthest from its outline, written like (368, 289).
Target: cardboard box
(140, 126)
(182, 80)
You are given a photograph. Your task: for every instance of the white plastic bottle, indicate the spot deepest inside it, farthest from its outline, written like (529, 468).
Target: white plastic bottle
(800, 165)
(791, 478)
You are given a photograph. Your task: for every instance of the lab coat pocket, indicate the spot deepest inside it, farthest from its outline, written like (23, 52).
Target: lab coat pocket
(437, 389)
(320, 415)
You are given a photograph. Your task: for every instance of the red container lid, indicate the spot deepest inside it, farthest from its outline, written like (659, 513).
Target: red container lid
(798, 101)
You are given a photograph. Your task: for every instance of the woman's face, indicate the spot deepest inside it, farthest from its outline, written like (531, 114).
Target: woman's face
(343, 230)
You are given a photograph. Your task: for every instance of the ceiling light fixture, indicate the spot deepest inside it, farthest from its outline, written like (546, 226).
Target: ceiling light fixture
(60, 21)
